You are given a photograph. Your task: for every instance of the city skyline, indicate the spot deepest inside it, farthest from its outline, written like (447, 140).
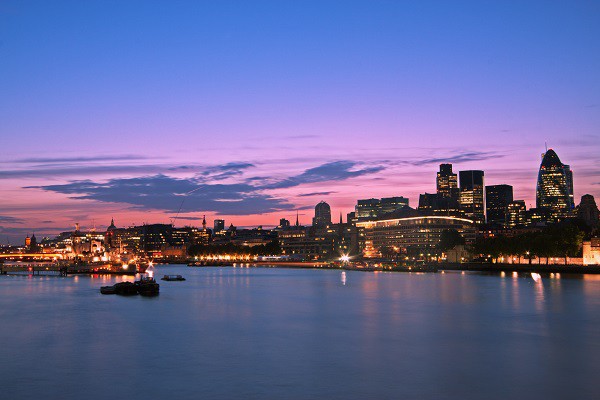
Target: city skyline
(271, 107)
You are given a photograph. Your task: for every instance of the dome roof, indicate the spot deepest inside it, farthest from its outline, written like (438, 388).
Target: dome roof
(322, 206)
(551, 159)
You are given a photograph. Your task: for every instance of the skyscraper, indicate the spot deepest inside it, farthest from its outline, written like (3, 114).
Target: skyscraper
(322, 215)
(516, 214)
(497, 199)
(447, 192)
(472, 195)
(446, 181)
(554, 186)
(219, 225)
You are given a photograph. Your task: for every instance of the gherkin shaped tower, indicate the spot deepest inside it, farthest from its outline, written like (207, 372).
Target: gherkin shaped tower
(555, 186)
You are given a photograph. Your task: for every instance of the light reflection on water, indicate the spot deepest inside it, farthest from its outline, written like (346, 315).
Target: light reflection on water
(288, 333)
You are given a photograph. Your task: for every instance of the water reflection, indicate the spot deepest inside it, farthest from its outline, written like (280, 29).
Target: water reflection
(277, 333)
(539, 292)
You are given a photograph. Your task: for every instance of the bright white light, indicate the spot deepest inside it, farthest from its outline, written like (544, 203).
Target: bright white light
(345, 258)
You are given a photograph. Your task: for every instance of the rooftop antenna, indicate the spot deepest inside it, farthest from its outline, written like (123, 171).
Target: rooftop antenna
(546, 145)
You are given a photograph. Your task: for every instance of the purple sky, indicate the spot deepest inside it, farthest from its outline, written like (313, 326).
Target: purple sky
(264, 107)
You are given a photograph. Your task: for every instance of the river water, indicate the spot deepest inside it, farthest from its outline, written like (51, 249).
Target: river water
(260, 333)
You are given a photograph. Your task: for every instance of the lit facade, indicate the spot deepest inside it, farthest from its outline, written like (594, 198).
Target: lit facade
(374, 208)
(591, 252)
(446, 182)
(413, 234)
(516, 214)
(555, 186)
(472, 195)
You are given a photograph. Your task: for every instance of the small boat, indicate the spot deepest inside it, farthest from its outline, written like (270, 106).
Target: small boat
(121, 288)
(126, 289)
(108, 290)
(172, 278)
(147, 286)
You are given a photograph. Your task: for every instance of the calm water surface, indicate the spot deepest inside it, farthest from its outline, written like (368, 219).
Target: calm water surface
(229, 333)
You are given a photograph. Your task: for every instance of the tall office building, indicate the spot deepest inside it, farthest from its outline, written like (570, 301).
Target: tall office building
(472, 195)
(569, 176)
(322, 215)
(219, 225)
(497, 198)
(554, 186)
(446, 183)
(516, 214)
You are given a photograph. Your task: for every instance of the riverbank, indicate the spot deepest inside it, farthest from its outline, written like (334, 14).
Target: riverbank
(524, 268)
(431, 267)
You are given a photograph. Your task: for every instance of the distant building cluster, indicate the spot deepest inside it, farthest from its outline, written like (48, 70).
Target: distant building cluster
(377, 228)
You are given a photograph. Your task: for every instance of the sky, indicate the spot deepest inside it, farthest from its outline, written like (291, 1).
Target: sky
(252, 111)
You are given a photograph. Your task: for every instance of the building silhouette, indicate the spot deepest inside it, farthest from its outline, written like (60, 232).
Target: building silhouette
(497, 199)
(219, 225)
(587, 211)
(322, 217)
(555, 187)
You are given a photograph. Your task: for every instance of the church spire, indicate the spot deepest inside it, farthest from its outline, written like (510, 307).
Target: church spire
(297, 220)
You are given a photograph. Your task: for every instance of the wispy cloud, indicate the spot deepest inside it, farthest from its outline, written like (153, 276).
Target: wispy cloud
(76, 170)
(10, 220)
(332, 171)
(225, 171)
(456, 158)
(86, 167)
(315, 194)
(180, 217)
(61, 160)
(203, 192)
(162, 192)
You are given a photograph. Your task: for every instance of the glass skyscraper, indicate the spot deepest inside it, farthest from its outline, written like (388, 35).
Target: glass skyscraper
(472, 195)
(554, 186)
(446, 183)
(497, 199)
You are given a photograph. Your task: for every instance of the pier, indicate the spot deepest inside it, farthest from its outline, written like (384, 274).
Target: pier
(53, 269)
(32, 269)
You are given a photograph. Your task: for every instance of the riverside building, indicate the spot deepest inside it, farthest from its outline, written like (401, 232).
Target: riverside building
(409, 235)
